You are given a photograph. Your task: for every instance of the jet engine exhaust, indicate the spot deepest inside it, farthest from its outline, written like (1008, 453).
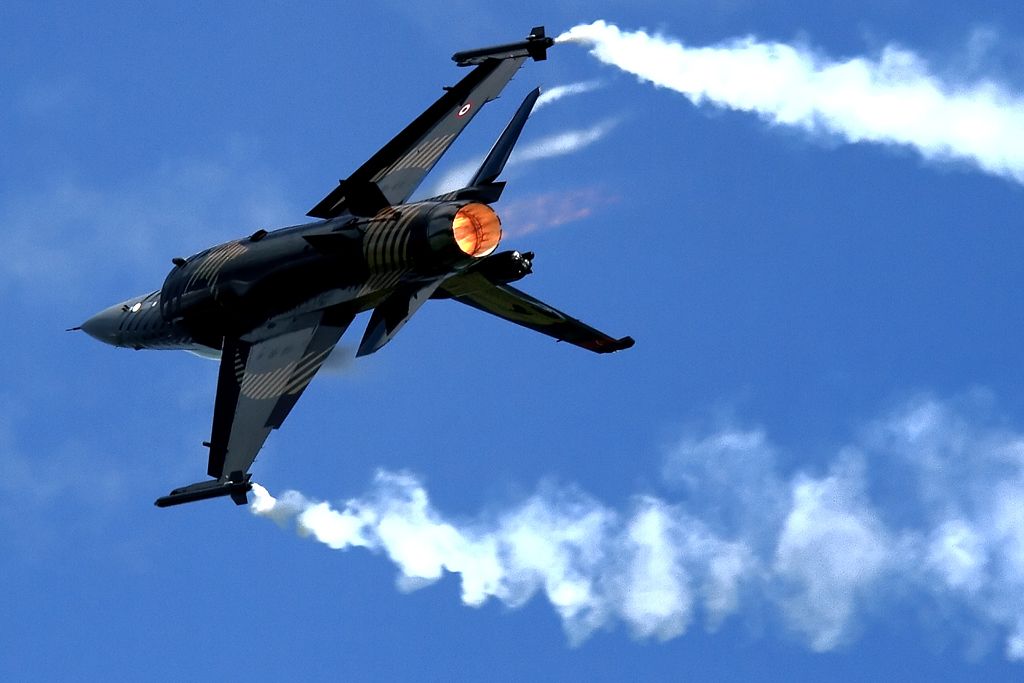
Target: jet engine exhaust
(477, 229)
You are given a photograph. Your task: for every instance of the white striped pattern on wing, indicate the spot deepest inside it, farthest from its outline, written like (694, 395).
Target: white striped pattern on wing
(239, 366)
(288, 379)
(422, 157)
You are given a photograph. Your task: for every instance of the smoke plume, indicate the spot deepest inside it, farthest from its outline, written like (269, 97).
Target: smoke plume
(559, 91)
(561, 143)
(921, 513)
(554, 145)
(892, 99)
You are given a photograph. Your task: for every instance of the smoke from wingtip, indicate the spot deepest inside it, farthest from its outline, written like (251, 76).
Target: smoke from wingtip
(892, 99)
(814, 552)
(591, 563)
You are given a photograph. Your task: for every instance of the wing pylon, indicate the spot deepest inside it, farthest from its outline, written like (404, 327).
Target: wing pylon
(535, 46)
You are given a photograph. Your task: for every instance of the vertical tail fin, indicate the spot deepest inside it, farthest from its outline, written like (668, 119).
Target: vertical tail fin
(483, 186)
(496, 159)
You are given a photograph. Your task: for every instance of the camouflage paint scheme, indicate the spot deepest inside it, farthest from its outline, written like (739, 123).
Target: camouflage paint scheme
(273, 305)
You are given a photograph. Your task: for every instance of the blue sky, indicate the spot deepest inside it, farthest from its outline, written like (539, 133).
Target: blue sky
(809, 466)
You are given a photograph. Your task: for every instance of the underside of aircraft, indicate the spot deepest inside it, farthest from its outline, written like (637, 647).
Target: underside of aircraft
(273, 305)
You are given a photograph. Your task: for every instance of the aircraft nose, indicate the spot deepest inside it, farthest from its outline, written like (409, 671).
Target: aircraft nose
(104, 325)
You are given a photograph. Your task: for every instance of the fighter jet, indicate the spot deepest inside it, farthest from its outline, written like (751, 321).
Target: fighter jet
(274, 304)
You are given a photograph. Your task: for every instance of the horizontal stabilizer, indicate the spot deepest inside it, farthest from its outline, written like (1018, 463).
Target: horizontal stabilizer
(208, 489)
(476, 289)
(536, 46)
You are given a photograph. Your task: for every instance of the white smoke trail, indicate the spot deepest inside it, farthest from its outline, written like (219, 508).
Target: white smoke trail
(591, 563)
(893, 99)
(943, 529)
(558, 144)
(565, 142)
(557, 92)
(562, 143)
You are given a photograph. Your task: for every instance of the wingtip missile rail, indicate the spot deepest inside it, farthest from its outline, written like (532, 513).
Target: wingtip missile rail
(536, 46)
(207, 489)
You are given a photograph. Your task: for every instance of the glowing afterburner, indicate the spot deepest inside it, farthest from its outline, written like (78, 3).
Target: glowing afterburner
(477, 229)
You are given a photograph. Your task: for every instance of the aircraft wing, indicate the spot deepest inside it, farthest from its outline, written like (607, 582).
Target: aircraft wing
(474, 289)
(259, 383)
(391, 175)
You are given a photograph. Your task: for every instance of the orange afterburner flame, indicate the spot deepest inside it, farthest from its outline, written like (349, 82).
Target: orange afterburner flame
(477, 229)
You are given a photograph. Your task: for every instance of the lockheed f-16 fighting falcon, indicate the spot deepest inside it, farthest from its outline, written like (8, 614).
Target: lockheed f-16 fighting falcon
(274, 304)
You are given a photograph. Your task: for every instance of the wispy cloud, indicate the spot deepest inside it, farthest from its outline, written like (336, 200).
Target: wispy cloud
(63, 231)
(40, 100)
(924, 507)
(893, 98)
(69, 472)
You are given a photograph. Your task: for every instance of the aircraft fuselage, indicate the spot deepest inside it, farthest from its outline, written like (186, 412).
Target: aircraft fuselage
(274, 305)
(244, 286)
